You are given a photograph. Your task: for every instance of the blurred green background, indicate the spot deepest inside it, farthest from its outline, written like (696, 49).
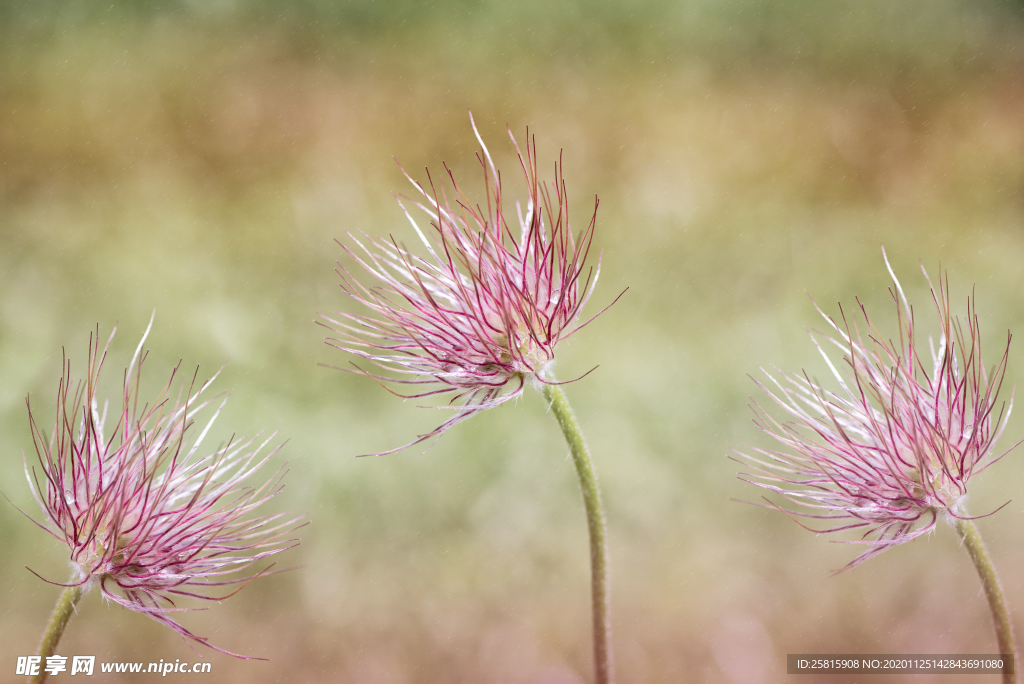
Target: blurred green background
(200, 157)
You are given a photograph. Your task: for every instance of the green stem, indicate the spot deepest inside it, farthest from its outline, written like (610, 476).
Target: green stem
(58, 621)
(600, 594)
(993, 591)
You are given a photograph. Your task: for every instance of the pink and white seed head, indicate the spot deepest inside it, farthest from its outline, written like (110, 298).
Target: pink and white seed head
(149, 513)
(479, 313)
(892, 448)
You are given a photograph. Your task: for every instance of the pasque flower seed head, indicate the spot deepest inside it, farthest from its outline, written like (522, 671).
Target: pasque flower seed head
(892, 448)
(479, 315)
(149, 514)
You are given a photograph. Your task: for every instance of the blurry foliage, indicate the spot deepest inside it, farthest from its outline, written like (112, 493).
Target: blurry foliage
(849, 36)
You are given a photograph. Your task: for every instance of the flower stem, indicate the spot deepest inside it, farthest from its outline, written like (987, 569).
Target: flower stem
(600, 593)
(58, 621)
(993, 591)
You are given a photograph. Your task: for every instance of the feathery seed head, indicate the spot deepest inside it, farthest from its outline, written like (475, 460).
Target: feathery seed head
(480, 314)
(892, 449)
(148, 515)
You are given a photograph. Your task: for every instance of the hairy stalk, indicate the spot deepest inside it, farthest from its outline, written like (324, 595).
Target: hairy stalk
(600, 593)
(993, 592)
(55, 628)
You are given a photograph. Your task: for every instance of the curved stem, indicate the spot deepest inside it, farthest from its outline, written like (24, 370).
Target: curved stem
(600, 594)
(55, 628)
(993, 591)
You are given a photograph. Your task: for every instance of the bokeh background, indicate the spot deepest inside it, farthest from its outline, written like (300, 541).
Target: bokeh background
(200, 158)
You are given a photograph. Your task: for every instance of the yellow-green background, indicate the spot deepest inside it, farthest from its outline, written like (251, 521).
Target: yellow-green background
(199, 159)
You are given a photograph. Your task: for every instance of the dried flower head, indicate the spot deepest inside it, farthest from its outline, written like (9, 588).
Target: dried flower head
(148, 516)
(892, 449)
(482, 312)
